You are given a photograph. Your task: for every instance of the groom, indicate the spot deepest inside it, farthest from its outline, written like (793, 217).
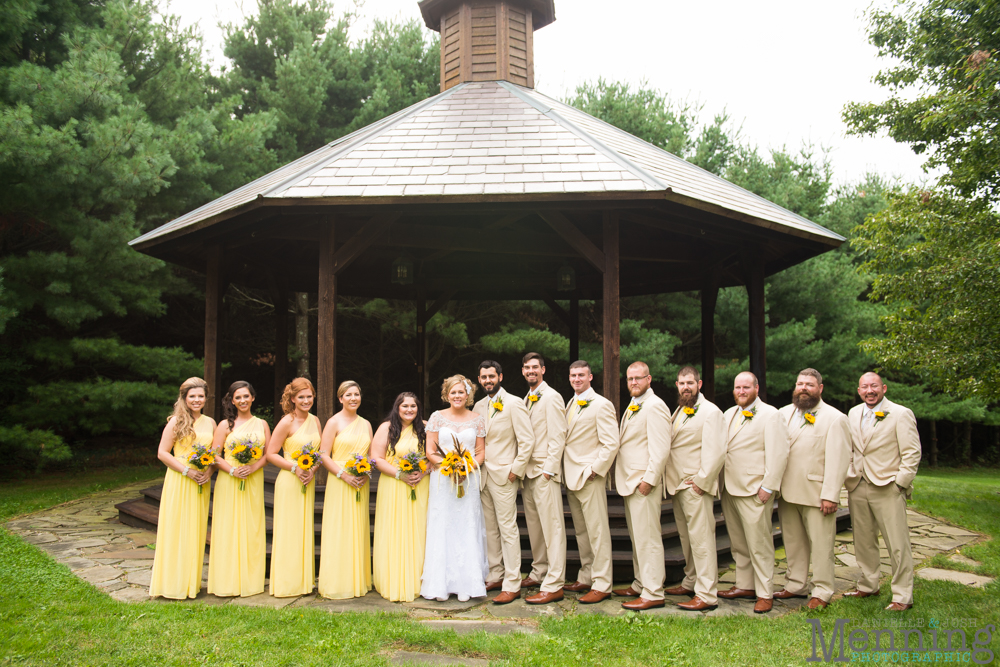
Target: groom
(509, 442)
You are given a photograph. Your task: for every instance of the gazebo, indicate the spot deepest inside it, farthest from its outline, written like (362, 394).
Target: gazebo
(562, 205)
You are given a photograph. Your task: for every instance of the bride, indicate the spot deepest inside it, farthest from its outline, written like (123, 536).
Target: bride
(455, 556)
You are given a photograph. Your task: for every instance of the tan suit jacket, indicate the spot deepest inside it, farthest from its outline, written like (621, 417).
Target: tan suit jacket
(592, 441)
(891, 453)
(697, 449)
(758, 451)
(509, 438)
(645, 438)
(818, 455)
(548, 422)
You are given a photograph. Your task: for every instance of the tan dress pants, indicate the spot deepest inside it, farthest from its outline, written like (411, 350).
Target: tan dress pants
(589, 508)
(748, 522)
(808, 534)
(543, 512)
(642, 513)
(695, 520)
(503, 539)
(882, 509)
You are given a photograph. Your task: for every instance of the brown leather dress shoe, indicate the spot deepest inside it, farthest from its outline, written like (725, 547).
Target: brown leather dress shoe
(785, 595)
(543, 597)
(593, 597)
(816, 603)
(696, 604)
(898, 606)
(734, 593)
(576, 587)
(679, 590)
(626, 592)
(528, 582)
(858, 594)
(493, 586)
(763, 605)
(642, 604)
(506, 597)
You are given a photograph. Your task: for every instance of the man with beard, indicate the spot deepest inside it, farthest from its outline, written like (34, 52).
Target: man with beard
(697, 454)
(509, 442)
(884, 460)
(756, 454)
(818, 456)
(542, 494)
(591, 445)
(645, 437)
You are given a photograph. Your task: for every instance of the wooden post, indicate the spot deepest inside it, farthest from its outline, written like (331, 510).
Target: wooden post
(326, 340)
(709, 297)
(612, 338)
(574, 329)
(280, 347)
(753, 269)
(422, 349)
(213, 309)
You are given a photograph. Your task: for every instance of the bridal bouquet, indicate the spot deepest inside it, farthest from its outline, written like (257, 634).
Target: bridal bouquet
(307, 458)
(359, 465)
(410, 463)
(201, 457)
(458, 464)
(246, 451)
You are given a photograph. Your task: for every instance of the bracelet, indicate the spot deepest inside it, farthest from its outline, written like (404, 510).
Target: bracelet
(294, 466)
(340, 475)
(186, 468)
(232, 471)
(398, 473)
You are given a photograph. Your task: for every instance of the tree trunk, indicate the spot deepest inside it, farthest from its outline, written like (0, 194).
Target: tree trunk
(966, 457)
(934, 444)
(302, 333)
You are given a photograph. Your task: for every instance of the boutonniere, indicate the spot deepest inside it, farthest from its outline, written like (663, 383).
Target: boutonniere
(690, 412)
(879, 416)
(808, 418)
(634, 408)
(582, 403)
(497, 406)
(748, 415)
(532, 399)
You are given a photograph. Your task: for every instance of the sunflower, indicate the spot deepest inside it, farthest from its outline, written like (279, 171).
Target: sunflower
(810, 417)
(239, 449)
(207, 459)
(533, 398)
(257, 452)
(423, 465)
(689, 411)
(747, 414)
(405, 466)
(446, 470)
(582, 403)
(305, 461)
(634, 407)
(363, 466)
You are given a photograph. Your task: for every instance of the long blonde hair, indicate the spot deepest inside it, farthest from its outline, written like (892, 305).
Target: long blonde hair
(183, 417)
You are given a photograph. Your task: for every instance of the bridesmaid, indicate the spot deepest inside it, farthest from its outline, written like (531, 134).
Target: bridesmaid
(183, 520)
(400, 523)
(293, 543)
(238, 555)
(345, 566)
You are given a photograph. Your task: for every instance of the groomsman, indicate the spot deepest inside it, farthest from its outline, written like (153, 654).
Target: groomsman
(884, 460)
(645, 438)
(591, 445)
(541, 492)
(509, 442)
(756, 454)
(818, 456)
(697, 454)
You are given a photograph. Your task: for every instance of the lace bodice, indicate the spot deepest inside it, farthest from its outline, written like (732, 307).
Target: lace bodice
(465, 431)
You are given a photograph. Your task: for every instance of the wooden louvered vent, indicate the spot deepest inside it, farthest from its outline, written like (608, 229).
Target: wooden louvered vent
(487, 41)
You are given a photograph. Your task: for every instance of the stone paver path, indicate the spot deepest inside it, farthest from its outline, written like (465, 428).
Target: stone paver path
(86, 537)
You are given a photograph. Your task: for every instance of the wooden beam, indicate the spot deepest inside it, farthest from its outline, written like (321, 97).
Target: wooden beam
(574, 329)
(577, 239)
(326, 331)
(214, 290)
(279, 294)
(709, 297)
(361, 240)
(441, 302)
(753, 268)
(557, 309)
(422, 318)
(612, 332)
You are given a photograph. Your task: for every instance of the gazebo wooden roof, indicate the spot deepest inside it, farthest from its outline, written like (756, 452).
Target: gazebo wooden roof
(488, 170)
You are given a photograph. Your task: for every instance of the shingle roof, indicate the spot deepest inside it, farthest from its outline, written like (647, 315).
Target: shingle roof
(492, 139)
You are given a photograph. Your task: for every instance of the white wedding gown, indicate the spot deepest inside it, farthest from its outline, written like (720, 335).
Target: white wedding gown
(455, 555)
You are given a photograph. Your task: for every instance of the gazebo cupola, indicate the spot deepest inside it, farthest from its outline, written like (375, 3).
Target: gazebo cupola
(487, 40)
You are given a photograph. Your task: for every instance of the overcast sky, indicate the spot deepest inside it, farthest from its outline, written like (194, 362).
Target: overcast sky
(783, 69)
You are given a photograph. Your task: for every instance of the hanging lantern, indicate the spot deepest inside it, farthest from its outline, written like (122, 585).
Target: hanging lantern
(565, 279)
(402, 271)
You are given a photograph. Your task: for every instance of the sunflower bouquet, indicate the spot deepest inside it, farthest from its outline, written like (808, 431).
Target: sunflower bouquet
(458, 464)
(359, 465)
(246, 451)
(307, 458)
(412, 462)
(201, 457)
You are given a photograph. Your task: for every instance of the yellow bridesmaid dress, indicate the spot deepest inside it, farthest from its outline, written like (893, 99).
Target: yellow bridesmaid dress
(345, 562)
(400, 527)
(238, 553)
(182, 524)
(293, 540)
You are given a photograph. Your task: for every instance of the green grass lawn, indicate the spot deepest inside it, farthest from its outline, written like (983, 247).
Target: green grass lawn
(49, 617)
